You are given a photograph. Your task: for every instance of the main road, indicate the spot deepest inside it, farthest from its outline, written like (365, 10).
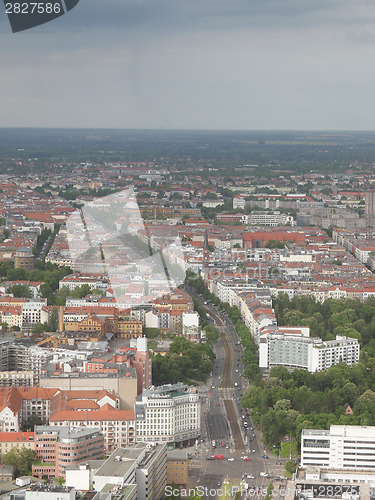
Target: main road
(224, 417)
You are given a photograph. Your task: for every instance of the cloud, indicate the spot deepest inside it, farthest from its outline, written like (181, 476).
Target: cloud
(193, 64)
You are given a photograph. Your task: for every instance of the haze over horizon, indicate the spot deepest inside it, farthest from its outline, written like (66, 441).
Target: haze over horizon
(214, 65)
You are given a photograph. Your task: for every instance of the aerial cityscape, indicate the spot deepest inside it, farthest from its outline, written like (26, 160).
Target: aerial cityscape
(187, 314)
(187, 250)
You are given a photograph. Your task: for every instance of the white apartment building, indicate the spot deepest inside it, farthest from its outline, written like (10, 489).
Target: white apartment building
(341, 447)
(293, 349)
(92, 280)
(33, 312)
(169, 414)
(239, 201)
(190, 324)
(268, 219)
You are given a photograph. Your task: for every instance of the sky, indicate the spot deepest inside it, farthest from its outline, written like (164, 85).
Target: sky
(194, 64)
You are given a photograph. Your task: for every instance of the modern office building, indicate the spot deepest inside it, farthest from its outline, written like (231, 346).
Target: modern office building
(168, 414)
(58, 447)
(142, 467)
(341, 447)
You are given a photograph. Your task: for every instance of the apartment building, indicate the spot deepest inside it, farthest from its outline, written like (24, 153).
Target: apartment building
(58, 447)
(117, 426)
(19, 440)
(17, 379)
(123, 382)
(341, 447)
(143, 465)
(93, 280)
(20, 355)
(268, 219)
(11, 315)
(177, 468)
(292, 347)
(35, 311)
(169, 413)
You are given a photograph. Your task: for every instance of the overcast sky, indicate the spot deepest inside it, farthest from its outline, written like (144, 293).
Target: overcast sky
(198, 64)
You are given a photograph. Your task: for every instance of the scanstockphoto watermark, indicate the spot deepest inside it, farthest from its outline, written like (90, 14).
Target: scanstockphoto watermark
(140, 262)
(223, 491)
(27, 14)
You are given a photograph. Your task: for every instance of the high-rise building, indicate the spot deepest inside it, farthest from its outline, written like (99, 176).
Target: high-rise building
(370, 203)
(341, 447)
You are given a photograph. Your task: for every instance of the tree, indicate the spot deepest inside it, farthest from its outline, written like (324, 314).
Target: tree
(17, 275)
(38, 328)
(31, 422)
(21, 291)
(81, 291)
(269, 492)
(290, 466)
(53, 323)
(21, 460)
(282, 404)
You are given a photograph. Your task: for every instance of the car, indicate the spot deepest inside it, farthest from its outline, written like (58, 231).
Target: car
(253, 451)
(243, 416)
(230, 459)
(227, 446)
(265, 456)
(217, 404)
(237, 371)
(246, 458)
(209, 458)
(213, 387)
(249, 476)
